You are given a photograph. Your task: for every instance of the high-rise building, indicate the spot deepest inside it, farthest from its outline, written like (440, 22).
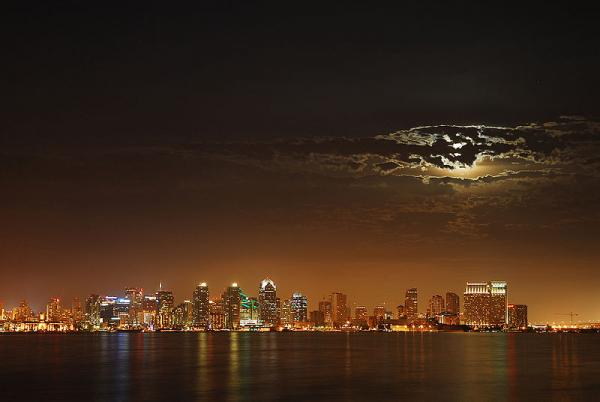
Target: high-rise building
(339, 309)
(452, 303)
(411, 306)
(436, 306)
(23, 312)
(325, 308)
(149, 309)
(267, 301)
(53, 310)
(361, 315)
(77, 311)
(249, 311)
(499, 303)
(299, 307)
(517, 316)
(286, 317)
(136, 298)
(201, 306)
(231, 306)
(92, 310)
(401, 311)
(379, 313)
(317, 318)
(164, 311)
(217, 314)
(485, 303)
(183, 314)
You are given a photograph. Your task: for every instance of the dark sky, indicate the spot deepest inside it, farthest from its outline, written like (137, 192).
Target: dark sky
(231, 141)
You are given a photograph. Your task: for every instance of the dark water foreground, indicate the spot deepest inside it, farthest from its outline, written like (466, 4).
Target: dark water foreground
(299, 367)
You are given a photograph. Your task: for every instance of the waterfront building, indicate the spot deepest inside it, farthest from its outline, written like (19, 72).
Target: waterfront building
(401, 312)
(517, 316)
(23, 312)
(339, 309)
(249, 311)
(136, 298)
(217, 314)
(231, 306)
(201, 306)
(267, 301)
(361, 315)
(411, 305)
(53, 310)
(325, 309)
(436, 306)
(149, 309)
(299, 307)
(92, 310)
(485, 303)
(452, 303)
(286, 317)
(164, 311)
(317, 318)
(379, 313)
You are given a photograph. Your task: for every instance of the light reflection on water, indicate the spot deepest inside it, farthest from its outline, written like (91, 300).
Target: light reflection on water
(299, 366)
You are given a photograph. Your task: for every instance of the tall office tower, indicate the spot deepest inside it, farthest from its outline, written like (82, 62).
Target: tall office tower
(436, 306)
(201, 307)
(411, 306)
(136, 298)
(299, 307)
(92, 310)
(498, 303)
(325, 308)
(76, 310)
(339, 309)
(401, 311)
(476, 303)
(286, 318)
(23, 312)
(317, 318)
(517, 316)
(217, 314)
(361, 315)
(485, 303)
(379, 313)
(164, 311)
(452, 303)
(267, 301)
(53, 310)
(182, 314)
(149, 309)
(2, 317)
(249, 310)
(231, 306)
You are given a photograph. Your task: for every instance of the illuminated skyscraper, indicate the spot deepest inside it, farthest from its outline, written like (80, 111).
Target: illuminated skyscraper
(249, 311)
(231, 306)
(339, 309)
(201, 306)
(267, 301)
(149, 309)
(411, 306)
(53, 310)
(77, 311)
(182, 315)
(317, 318)
(485, 303)
(379, 313)
(452, 303)
(325, 308)
(92, 310)
(136, 298)
(286, 317)
(436, 306)
(401, 312)
(164, 312)
(217, 314)
(499, 303)
(23, 312)
(361, 315)
(517, 316)
(299, 307)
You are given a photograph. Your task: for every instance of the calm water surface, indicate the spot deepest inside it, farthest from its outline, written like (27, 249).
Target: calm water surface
(299, 366)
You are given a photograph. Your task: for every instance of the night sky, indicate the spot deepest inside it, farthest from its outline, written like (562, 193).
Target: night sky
(362, 149)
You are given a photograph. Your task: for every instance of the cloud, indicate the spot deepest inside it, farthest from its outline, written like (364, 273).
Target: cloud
(426, 151)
